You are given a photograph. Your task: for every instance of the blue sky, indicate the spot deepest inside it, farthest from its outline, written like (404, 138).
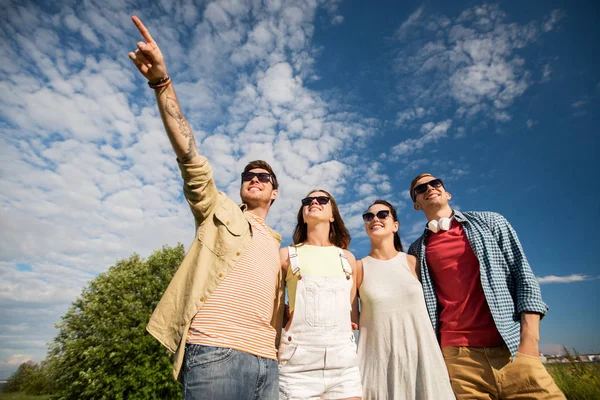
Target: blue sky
(501, 100)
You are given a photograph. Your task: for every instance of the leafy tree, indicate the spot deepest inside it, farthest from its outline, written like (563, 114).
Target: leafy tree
(102, 350)
(18, 380)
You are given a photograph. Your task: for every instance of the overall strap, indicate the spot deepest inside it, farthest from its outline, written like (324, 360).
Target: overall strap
(345, 264)
(294, 260)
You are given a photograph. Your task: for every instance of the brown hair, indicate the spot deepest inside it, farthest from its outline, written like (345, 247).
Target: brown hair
(413, 183)
(338, 234)
(397, 242)
(263, 165)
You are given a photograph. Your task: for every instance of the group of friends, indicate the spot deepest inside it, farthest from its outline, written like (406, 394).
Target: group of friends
(457, 316)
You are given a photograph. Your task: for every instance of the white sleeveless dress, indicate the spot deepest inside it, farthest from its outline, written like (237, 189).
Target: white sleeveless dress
(399, 355)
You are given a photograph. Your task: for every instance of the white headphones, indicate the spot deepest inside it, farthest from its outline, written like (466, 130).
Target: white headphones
(442, 225)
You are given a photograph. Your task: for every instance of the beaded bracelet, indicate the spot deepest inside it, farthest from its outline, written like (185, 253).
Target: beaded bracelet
(160, 83)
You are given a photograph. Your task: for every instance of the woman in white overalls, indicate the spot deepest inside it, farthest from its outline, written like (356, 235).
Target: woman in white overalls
(317, 355)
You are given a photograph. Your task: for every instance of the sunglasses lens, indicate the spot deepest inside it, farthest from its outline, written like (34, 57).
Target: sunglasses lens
(422, 188)
(261, 176)
(264, 178)
(383, 214)
(322, 200)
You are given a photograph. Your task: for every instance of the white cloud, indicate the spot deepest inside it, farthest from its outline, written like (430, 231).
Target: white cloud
(278, 85)
(470, 64)
(431, 133)
(409, 115)
(546, 73)
(15, 360)
(411, 20)
(564, 279)
(337, 19)
(551, 21)
(531, 123)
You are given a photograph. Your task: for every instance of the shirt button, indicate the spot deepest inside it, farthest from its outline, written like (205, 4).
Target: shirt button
(220, 275)
(227, 222)
(289, 338)
(202, 299)
(237, 253)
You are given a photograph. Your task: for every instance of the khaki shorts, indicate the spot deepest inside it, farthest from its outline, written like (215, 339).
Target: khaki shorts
(490, 372)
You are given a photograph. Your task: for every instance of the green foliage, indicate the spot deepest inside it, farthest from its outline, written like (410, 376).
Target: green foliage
(31, 378)
(577, 380)
(17, 381)
(102, 350)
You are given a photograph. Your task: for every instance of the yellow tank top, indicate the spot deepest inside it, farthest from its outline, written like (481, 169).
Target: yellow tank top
(316, 261)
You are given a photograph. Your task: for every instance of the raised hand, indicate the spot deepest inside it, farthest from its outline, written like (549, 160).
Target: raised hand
(147, 57)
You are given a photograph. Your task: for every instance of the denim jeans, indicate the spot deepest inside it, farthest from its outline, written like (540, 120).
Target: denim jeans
(221, 373)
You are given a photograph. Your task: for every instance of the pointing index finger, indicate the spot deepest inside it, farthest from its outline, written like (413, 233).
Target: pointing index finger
(142, 29)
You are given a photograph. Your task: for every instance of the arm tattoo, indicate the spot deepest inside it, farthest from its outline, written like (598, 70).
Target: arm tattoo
(175, 112)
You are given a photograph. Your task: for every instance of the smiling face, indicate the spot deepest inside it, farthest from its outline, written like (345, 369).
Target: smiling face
(433, 197)
(381, 228)
(315, 212)
(255, 193)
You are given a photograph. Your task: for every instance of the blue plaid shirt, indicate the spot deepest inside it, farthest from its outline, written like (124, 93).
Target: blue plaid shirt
(508, 283)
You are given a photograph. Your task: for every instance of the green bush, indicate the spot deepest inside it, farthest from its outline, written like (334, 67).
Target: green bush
(102, 350)
(17, 381)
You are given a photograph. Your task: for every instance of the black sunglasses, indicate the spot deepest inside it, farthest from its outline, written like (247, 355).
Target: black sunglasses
(422, 188)
(322, 200)
(262, 176)
(381, 215)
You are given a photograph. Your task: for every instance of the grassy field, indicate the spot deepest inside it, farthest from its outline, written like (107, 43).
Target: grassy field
(21, 396)
(578, 381)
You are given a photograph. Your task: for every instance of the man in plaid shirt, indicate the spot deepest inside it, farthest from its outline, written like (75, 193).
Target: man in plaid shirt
(484, 302)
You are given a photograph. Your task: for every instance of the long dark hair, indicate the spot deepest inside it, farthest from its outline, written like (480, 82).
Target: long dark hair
(338, 234)
(397, 242)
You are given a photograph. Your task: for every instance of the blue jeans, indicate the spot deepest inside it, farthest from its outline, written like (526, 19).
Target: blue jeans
(221, 373)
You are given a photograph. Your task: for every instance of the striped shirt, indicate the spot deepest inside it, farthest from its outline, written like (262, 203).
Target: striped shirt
(238, 313)
(509, 286)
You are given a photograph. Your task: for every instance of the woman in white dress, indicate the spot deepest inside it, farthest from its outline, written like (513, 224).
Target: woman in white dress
(398, 352)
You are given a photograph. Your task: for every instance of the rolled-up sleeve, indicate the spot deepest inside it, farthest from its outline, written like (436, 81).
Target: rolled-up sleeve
(199, 188)
(528, 293)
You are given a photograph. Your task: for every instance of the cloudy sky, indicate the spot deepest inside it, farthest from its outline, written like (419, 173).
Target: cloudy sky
(501, 100)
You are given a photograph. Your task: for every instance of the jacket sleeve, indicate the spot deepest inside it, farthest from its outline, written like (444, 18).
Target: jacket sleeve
(199, 189)
(528, 293)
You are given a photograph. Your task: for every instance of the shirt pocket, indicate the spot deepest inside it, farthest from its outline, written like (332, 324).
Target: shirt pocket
(325, 305)
(220, 233)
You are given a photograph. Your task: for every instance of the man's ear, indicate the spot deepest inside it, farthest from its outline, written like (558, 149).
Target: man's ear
(274, 194)
(449, 195)
(396, 226)
(416, 206)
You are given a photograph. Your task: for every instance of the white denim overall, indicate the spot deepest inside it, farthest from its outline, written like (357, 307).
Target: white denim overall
(317, 354)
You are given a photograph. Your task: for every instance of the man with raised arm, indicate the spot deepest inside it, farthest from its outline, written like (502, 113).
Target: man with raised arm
(484, 302)
(222, 312)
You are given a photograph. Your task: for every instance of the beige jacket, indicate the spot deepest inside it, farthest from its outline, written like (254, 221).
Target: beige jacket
(222, 235)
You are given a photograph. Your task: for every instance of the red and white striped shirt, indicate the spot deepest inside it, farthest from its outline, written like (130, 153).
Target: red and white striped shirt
(238, 313)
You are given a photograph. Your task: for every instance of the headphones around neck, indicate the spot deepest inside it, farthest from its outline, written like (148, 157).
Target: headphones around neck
(442, 225)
